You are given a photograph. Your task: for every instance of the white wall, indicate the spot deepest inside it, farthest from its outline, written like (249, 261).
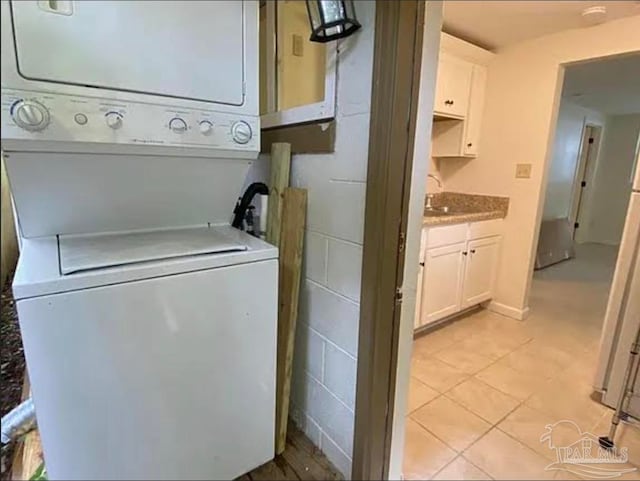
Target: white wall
(8, 243)
(324, 378)
(572, 119)
(606, 212)
(523, 92)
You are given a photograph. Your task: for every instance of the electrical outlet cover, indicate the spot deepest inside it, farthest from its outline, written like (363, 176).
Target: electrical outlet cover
(523, 171)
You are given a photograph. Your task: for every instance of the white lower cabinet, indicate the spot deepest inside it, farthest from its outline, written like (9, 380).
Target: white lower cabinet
(442, 281)
(458, 269)
(480, 271)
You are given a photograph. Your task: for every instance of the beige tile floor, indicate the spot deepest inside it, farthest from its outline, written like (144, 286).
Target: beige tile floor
(484, 387)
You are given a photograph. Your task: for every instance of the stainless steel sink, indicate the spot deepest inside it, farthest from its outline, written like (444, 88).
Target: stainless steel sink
(437, 211)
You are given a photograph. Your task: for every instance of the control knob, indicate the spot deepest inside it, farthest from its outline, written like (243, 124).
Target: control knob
(206, 127)
(114, 120)
(178, 125)
(241, 132)
(30, 115)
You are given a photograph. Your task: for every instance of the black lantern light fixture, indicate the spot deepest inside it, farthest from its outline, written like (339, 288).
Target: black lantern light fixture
(331, 19)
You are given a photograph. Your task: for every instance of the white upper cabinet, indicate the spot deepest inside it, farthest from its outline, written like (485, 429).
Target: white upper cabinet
(453, 86)
(459, 98)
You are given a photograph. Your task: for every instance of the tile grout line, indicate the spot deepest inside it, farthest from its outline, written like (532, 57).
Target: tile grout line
(468, 377)
(459, 405)
(458, 456)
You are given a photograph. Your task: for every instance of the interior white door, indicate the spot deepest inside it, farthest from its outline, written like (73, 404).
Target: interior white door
(189, 49)
(627, 330)
(442, 282)
(480, 271)
(612, 318)
(453, 86)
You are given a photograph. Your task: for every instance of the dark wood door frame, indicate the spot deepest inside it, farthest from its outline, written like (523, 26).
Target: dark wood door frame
(396, 73)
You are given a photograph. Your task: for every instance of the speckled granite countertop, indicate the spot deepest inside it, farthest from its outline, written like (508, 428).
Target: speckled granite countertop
(466, 208)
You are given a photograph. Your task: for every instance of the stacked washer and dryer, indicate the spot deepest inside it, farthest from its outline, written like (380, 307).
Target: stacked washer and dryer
(149, 323)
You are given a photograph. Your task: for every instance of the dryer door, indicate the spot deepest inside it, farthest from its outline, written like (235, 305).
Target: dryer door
(189, 49)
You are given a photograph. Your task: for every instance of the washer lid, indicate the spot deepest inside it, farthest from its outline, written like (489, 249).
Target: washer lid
(95, 251)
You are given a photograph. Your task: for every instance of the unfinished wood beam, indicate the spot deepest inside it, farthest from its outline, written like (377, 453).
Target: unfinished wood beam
(294, 213)
(280, 167)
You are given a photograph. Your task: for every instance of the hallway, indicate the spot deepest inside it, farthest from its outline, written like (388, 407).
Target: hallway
(484, 388)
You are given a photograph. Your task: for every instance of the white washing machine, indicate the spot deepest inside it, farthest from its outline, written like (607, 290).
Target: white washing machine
(151, 355)
(149, 324)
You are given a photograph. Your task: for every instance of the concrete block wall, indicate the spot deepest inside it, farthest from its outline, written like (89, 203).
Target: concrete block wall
(324, 377)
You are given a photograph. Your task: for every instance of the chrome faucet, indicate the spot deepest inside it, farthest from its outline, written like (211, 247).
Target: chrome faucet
(436, 179)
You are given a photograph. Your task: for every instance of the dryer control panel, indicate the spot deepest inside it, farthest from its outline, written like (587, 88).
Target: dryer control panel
(40, 116)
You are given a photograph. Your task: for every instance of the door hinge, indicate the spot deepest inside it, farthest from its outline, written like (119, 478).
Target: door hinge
(401, 241)
(576, 225)
(398, 295)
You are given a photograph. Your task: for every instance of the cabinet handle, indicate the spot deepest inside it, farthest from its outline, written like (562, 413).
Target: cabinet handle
(422, 264)
(469, 144)
(473, 251)
(464, 253)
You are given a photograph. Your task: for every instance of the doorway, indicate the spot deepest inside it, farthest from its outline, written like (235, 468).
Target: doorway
(385, 344)
(483, 387)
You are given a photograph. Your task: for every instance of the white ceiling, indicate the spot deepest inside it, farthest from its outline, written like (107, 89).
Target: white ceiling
(611, 86)
(496, 24)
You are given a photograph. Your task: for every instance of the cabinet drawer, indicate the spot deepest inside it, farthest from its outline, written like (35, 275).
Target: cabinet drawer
(485, 228)
(446, 235)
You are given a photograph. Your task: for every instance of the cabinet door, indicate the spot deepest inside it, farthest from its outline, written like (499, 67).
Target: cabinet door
(453, 86)
(474, 114)
(480, 271)
(442, 282)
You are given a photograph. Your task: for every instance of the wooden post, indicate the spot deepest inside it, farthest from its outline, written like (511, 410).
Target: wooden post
(280, 167)
(291, 245)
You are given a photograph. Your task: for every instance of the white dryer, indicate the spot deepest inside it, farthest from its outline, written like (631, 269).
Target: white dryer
(149, 323)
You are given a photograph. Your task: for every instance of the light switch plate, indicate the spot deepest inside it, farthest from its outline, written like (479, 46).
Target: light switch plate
(523, 171)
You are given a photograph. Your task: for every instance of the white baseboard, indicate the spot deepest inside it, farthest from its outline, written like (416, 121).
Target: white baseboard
(509, 311)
